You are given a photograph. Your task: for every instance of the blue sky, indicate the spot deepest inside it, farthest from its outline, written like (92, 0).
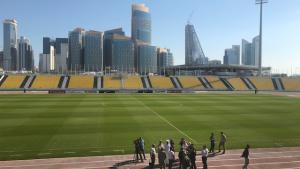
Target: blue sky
(219, 24)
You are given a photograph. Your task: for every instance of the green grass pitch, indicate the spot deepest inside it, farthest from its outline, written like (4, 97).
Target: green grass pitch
(44, 126)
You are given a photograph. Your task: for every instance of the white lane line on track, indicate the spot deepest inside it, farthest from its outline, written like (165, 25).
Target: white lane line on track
(120, 160)
(220, 166)
(167, 121)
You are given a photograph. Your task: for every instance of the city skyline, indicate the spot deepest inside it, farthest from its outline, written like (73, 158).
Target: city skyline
(274, 51)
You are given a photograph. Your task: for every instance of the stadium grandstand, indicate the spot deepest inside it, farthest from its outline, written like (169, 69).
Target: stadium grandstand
(135, 83)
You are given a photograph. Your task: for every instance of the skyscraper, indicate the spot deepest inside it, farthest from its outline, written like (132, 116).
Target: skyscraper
(255, 50)
(93, 51)
(1, 59)
(146, 58)
(61, 54)
(122, 53)
(75, 59)
(25, 56)
(232, 55)
(107, 45)
(47, 61)
(164, 58)
(141, 23)
(194, 54)
(247, 58)
(10, 44)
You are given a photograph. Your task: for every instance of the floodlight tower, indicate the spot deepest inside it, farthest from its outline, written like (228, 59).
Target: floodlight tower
(260, 2)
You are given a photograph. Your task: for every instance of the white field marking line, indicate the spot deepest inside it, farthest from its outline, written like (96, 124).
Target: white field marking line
(95, 151)
(70, 152)
(168, 122)
(41, 154)
(16, 155)
(120, 160)
(119, 151)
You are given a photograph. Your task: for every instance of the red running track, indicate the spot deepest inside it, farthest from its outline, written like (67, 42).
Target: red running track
(271, 158)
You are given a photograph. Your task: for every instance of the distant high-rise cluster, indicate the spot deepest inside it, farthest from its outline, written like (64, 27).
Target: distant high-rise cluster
(17, 53)
(194, 54)
(250, 52)
(232, 55)
(93, 51)
(247, 55)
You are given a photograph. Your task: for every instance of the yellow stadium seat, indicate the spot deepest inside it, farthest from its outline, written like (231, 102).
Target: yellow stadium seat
(110, 82)
(216, 82)
(81, 82)
(262, 83)
(237, 83)
(133, 82)
(45, 82)
(291, 84)
(190, 82)
(161, 82)
(13, 82)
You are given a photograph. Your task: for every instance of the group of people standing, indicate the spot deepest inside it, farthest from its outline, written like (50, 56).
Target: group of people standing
(165, 152)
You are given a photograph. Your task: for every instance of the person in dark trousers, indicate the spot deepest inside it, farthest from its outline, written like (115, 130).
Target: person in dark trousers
(204, 154)
(137, 151)
(171, 157)
(181, 156)
(161, 158)
(142, 147)
(223, 140)
(152, 157)
(212, 143)
(192, 156)
(245, 155)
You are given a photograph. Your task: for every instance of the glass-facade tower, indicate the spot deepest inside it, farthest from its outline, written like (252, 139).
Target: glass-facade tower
(93, 48)
(10, 44)
(141, 23)
(75, 59)
(194, 54)
(122, 54)
(147, 59)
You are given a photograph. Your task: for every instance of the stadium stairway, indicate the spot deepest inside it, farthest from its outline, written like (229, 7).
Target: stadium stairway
(61, 80)
(176, 82)
(28, 82)
(227, 84)
(248, 83)
(205, 82)
(277, 84)
(2, 79)
(99, 82)
(24, 82)
(65, 82)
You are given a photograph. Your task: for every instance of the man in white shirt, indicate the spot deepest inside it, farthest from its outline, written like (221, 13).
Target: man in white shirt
(152, 156)
(204, 154)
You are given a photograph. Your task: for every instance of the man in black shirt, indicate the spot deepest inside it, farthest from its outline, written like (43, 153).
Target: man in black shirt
(245, 155)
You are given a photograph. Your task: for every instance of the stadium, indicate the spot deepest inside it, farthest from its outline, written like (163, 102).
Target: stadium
(107, 113)
(78, 92)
